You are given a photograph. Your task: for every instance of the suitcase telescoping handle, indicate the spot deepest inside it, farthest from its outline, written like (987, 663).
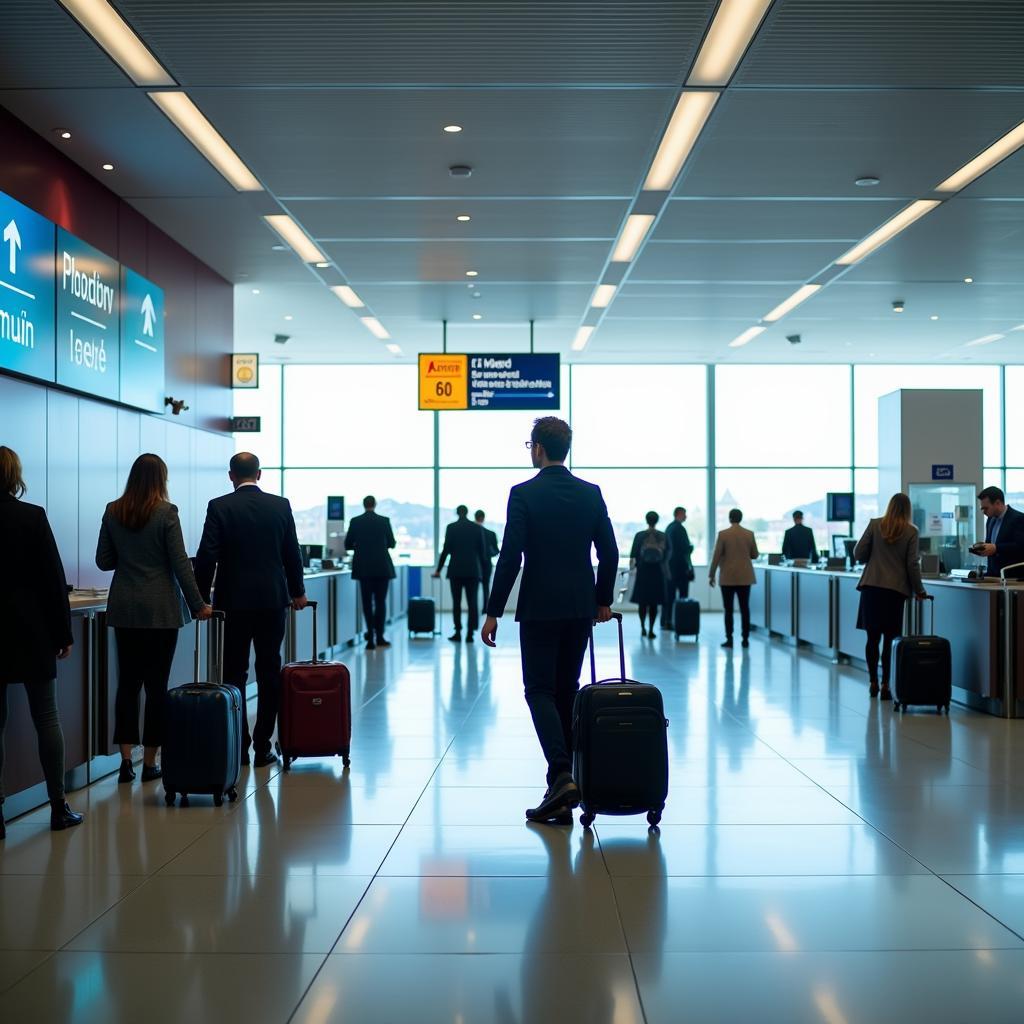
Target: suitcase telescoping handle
(216, 645)
(617, 616)
(312, 605)
(930, 600)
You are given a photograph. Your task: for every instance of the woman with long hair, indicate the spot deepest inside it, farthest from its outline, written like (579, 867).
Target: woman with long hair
(35, 629)
(892, 572)
(151, 597)
(648, 559)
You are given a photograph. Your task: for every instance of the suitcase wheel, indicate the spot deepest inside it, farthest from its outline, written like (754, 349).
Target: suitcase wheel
(232, 794)
(184, 800)
(346, 760)
(287, 763)
(218, 799)
(169, 797)
(653, 818)
(586, 819)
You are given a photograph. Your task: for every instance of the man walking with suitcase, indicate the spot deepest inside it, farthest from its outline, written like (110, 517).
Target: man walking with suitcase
(554, 521)
(371, 538)
(249, 542)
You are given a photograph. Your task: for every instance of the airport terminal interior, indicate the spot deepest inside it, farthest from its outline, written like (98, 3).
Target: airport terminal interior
(765, 257)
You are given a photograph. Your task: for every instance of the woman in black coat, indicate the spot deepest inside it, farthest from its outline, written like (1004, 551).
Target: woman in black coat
(35, 629)
(649, 558)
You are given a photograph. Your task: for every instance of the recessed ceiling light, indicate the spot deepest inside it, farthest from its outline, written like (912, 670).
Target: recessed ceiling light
(108, 167)
(603, 294)
(898, 306)
(453, 129)
(289, 317)
(393, 349)
(985, 339)
(727, 39)
(984, 161)
(290, 231)
(633, 234)
(464, 218)
(889, 229)
(800, 295)
(933, 317)
(348, 296)
(748, 335)
(255, 291)
(105, 25)
(579, 343)
(868, 181)
(62, 133)
(692, 110)
(472, 273)
(968, 280)
(375, 327)
(476, 295)
(323, 265)
(478, 316)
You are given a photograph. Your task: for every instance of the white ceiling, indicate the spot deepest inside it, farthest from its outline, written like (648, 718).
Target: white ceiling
(338, 109)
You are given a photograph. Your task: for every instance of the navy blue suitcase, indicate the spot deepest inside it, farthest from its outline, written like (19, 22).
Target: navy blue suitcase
(686, 617)
(922, 671)
(202, 751)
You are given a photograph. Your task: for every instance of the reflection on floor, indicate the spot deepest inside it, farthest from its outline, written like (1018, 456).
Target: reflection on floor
(821, 859)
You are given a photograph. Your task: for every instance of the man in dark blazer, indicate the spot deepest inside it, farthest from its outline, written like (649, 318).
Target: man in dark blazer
(249, 542)
(370, 537)
(798, 540)
(1004, 533)
(680, 564)
(554, 520)
(465, 544)
(492, 549)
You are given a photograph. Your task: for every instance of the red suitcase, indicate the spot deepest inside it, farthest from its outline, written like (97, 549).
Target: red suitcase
(316, 708)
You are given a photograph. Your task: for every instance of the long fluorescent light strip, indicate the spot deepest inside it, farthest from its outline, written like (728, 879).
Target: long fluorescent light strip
(800, 295)
(748, 335)
(985, 339)
(692, 111)
(375, 327)
(603, 294)
(295, 237)
(633, 234)
(984, 161)
(348, 296)
(124, 47)
(189, 120)
(892, 227)
(395, 350)
(730, 33)
(579, 343)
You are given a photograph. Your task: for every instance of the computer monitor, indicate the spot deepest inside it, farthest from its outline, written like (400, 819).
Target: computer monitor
(839, 546)
(839, 506)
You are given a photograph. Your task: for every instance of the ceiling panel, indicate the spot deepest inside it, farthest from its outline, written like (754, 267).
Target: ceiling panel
(733, 261)
(910, 43)
(306, 143)
(323, 42)
(497, 303)
(791, 143)
(703, 301)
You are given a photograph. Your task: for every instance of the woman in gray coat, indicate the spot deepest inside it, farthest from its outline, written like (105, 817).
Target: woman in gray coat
(891, 575)
(151, 596)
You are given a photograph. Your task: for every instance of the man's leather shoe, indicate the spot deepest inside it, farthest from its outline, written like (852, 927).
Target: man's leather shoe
(470, 636)
(151, 772)
(265, 759)
(62, 817)
(562, 796)
(746, 643)
(383, 643)
(728, 643)
(371, 646)
(456, 638)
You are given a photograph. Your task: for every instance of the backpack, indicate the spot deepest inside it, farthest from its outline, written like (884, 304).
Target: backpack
(652, 551)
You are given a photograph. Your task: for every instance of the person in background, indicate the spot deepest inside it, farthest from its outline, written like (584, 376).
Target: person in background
(1004, 532)
(371, 539)
(491, 546)
(151, 597)
(35, 630)
(249, 542)
(680, 564)
(892, 572)
(466, 545)
(553, 522)
(649, 558)
(735, 549)
(798, 541)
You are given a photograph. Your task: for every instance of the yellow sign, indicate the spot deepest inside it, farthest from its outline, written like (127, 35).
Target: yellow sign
(245, 370)
(444, 381)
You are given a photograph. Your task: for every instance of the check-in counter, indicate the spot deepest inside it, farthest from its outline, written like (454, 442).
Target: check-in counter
(759, 599)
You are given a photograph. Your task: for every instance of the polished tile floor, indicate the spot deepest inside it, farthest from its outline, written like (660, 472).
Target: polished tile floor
(820, 859)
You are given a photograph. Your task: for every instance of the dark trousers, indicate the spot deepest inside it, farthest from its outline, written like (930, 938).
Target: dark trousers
(469, 585)
(262, 629)
(374, 592)
(678, 586)
(742, 594)
(144, 659)
(875, 641)
(552, 654)
(486, 584)
(42, 705)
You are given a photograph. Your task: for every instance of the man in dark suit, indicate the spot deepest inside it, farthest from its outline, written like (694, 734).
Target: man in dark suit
(680, 564)
(491, 546)
(371, 538)
(249, 542)
(798, 540)
(554, 520)
(1004, 532)
(465, 544)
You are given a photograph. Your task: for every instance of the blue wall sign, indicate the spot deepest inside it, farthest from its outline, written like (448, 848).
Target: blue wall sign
(142, 342)
(88, 314)
(942, 472)
(26, 291)
(514, 382)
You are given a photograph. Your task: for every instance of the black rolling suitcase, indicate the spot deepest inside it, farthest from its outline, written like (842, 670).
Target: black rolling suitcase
(202, 750)
(922, 670)
(686, 617)
(422, 613)
(620, 745)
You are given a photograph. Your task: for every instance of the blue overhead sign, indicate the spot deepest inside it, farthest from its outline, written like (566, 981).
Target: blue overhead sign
(142, 342)
(88, 314)
(515, 381)
(26, 291)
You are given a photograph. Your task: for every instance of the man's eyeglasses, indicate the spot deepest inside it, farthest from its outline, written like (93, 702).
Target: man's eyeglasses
(530, 444)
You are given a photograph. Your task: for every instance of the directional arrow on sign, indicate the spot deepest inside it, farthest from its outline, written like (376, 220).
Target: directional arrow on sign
(13, 238)
(149, 313)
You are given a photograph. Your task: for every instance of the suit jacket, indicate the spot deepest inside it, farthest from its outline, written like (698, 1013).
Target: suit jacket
(249, 541)
(798, 542)
(1010, 542)
(153, 585)
(466, 546)
(491, 544)
(35, 618)
(554, 520)
(369, 536)
(680, 562)
(895, 566)
(735, 550)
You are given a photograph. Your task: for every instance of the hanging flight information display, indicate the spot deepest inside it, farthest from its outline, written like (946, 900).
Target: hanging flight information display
(506, 381)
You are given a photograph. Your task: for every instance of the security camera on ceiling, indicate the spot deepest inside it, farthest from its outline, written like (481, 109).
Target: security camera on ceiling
(793, 339)
(280, 339)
